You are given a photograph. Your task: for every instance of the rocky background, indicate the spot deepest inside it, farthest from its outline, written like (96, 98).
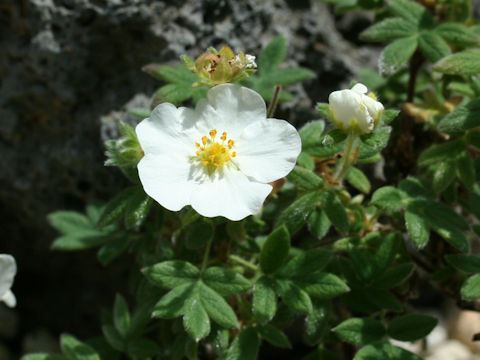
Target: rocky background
(68, 71)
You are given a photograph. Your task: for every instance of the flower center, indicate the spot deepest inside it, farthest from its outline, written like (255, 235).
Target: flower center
(212, 153)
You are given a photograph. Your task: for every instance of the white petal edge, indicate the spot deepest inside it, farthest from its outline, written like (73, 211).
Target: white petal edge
(232, 195)
(8, 269)
(168, 129)
(360, 88)
(237, 107)
(9, 299)
(167, 179)
(267, 150)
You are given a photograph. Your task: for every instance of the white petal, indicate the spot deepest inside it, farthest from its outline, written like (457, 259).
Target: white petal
(231, 195)
(167, 129)
(360, 88)
(9, 299)
(345, 105)
(8, 269)
(268, 149)
(237, 107)
(167, 179)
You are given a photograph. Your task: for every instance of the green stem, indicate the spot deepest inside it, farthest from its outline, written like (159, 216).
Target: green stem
(346, 161)
(206, 254)
(244, 262)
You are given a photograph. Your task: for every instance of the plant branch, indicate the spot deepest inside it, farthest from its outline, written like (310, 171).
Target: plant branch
(273, 105)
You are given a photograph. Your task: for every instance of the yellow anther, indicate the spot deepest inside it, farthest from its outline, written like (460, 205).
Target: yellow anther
(213, 154)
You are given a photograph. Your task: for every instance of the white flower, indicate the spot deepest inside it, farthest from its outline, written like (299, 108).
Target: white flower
(250, 62)
(8, 269)
(219, 157)
(352, 110)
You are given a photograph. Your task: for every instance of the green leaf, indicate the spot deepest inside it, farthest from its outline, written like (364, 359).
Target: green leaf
(384, 351)
(137, 209)
(433, 46)
(412, 12)
(198, 233)
(75, 349)
(466, 170)
(274, 336)
(306, 263)
(471, 288)
(417, 226)
(440, 152)
(113, 337)
(322, 285)
(172, 273)
(195, 319)
(273, 55)
(296, 215)
(358, 180)
(411, 327)
(140, 113)
(226, 282)
(275, 250)
(121, 315)
(318, 223)
(172, 74)
(217, 308)
(443, 176)
(310, 133)
(389, 115)
(388, 30)
(335, 211)
(295, 298)
(324, 111)
(386, 252)
(462, 63)
(457, 34)
(80, 241)
(317, 322)
(115, 208)
(396, 55)
(264, 299)
(464, 117)
(143, 348)
(388, 198)
(466, 263)
(173, 304)
(286, 76)
(371, 144)
(69, 222)
(245, 346)
(176, 93)
(360, 331)
(112, 249)
(394, 276)
(305, 179)
(306, 161)
(43, 357)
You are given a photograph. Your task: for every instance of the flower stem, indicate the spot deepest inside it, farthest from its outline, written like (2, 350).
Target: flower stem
(346, 160)
(273, 105)
(244, 262)
(206, 254)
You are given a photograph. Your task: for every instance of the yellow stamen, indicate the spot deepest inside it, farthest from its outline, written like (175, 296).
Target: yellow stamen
(214, 154)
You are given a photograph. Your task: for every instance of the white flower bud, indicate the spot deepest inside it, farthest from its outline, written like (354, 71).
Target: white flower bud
(353, 110)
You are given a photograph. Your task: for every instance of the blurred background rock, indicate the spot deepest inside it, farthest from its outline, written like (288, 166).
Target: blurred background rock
(67, 70)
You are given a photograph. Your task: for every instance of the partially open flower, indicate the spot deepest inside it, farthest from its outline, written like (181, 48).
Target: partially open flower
(219, 67)
(8, 269)
(353, 110)
(219, 157)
